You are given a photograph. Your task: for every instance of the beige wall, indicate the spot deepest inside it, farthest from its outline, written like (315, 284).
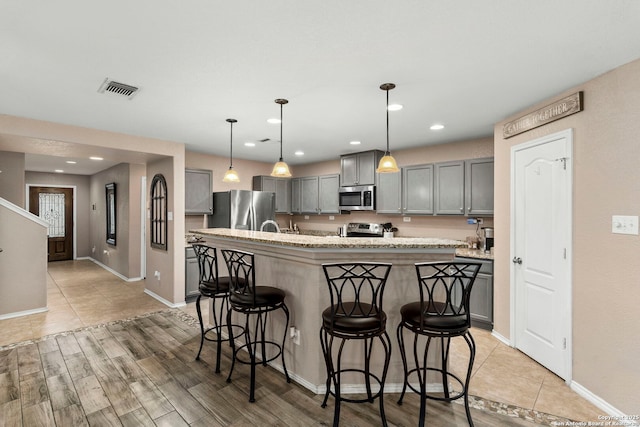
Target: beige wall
(12, 177)
(606, 271)
(81, 184)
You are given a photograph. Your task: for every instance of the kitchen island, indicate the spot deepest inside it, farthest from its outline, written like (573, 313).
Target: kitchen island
(293, 263)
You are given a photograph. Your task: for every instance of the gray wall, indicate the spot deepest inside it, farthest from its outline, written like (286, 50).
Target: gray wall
(12, 177)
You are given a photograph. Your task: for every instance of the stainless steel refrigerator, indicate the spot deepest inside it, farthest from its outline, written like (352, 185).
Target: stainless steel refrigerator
(243, 209)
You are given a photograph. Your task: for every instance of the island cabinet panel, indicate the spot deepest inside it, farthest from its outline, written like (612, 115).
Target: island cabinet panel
(192, 274)
(389, 193)
(417, 190)
(479, 186)
(280, 186)
(359, 168)
(449, 188)
(198, 195)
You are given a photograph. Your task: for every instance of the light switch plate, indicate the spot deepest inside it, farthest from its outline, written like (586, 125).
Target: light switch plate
(624, 224)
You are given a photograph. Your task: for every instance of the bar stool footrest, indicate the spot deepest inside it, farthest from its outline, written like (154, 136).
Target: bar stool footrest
(456, 396)
(352, 400)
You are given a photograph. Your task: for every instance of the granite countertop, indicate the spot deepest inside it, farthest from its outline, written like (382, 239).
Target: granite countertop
(474, 253)
(307, 241)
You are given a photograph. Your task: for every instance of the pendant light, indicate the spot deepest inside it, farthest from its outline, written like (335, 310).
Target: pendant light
(231, 175)
(387, 162)
(280, 169)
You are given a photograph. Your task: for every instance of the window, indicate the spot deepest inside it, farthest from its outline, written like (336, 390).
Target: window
(159, 212)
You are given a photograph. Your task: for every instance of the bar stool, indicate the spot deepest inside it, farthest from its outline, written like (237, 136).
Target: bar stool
(442, 312)
(248, 299)
(217, 288)
(355, 313)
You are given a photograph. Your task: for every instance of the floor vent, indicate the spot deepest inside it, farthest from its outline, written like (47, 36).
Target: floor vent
(117, 88)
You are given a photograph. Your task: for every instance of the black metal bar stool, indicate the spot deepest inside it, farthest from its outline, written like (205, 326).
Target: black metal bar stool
(442, 313)
(212, 286)
(248, 299)
(355, 313)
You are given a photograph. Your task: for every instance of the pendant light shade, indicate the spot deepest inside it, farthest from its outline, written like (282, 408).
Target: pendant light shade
(231, 175)
(387, 162)
(281, 169)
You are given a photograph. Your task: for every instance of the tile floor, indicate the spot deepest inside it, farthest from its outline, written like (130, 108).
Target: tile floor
(80, 293)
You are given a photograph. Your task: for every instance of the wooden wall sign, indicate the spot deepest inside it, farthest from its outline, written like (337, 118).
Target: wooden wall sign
(552, 112)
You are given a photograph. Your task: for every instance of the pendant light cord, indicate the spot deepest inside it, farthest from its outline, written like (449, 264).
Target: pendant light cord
(281, 132)
(231, 148)
(387, 121)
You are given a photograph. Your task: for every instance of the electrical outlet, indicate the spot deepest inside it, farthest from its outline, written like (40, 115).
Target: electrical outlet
(156, 274)
(624, 224)
(480, 220)
(294, 333)
(331, 217)
(406, 219)
(306, 217)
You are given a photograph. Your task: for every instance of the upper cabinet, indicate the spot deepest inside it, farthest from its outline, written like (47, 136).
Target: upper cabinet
(417, 190)
(359, 168)
(462, 187)
(389, 193)
(315, 194)
(198, 194)
(449, 188)
(479, 186)
(280, 186)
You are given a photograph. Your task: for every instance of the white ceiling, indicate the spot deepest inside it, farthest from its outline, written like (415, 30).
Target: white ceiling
(466, 64)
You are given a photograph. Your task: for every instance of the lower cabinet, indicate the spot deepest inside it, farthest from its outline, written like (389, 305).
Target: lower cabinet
(481, 300)
(192, 274)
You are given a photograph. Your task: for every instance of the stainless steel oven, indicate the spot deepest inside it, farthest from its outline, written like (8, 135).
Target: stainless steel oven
(361, 198)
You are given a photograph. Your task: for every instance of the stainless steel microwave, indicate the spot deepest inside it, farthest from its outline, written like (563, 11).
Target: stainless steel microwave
(361, 198)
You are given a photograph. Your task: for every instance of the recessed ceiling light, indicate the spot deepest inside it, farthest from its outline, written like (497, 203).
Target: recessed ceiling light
(437, 127)
(249, 144)
(96, 158)
(354, 142)
(394, 107)
(58, 171)
(71, 162)
(299, 153)
(273, 121)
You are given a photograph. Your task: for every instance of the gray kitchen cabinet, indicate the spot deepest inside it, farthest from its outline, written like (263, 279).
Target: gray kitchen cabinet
(328, 188)
(192, 274)
(479, 186)
(389, 193)
(417, 190)
(296, 206)
(359, 168)
(449, 188)
(309, 194)
(316, 194)
(481, 299)
(198, 194)
(280, 186)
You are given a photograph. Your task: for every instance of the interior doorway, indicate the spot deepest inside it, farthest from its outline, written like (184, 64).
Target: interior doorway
(541, 223)
(55, 205)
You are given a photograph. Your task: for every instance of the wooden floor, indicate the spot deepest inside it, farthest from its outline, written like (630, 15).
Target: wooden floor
(143, 372)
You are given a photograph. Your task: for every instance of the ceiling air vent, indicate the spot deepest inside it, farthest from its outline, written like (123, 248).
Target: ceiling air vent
(118, 88)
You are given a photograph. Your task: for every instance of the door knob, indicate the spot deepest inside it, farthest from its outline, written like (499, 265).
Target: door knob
(517, 260)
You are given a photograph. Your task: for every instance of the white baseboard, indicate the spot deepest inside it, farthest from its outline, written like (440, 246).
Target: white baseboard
(23, 313)
(501, 338)
(618, 417)
(112, 271)
(164, 301)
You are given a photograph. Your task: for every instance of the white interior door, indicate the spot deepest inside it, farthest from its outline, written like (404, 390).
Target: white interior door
(540, 248)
